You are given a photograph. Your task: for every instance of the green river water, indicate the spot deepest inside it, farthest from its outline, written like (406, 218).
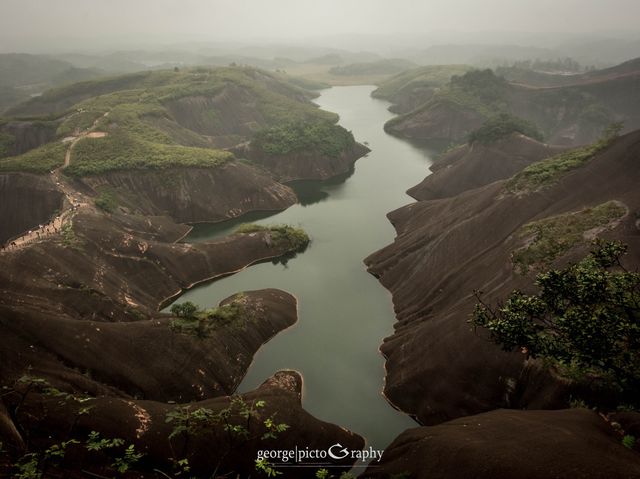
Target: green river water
(344, 313)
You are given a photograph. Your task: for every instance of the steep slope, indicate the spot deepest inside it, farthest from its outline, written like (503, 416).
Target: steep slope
(25, 201)
(470, 166)
(569, 114)
(192, 195)
(437, 368)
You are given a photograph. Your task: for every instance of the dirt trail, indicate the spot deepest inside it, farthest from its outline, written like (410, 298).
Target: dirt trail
(74, 200)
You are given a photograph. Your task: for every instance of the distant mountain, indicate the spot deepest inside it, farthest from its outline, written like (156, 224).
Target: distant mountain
(569, 114)
(23, 75)
(380, 67)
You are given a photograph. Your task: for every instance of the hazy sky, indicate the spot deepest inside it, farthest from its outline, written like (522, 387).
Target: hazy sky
(22, 22)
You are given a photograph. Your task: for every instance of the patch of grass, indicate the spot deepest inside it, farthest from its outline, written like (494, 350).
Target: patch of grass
(295, 239)
(629, 441)
(40, 160)
(124, 151)
(106, 201)
(77, 122)
(69, 237)
(551, 237)
(327, 138)
(546, 172)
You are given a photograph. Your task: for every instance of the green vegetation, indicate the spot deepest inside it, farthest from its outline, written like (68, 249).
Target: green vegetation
(135, 112)
(629, 441)
(106, 201)
(585, 318)
(482, 84)
(501, 126)
(327, 138)
(6, 143)
(123, 151)
(294, 239)
(242, 422)
(546, 172)
(69, 237)
(417, 79)
(550, 238)
(40, 161)
(77, 122)
(194, 321)
(478, 90)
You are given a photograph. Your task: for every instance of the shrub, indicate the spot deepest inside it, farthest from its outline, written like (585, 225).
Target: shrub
(501, 126)
(194, 321)
(585, 317)
(106, 201)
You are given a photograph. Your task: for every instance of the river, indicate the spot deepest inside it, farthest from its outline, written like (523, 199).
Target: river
(344, 313)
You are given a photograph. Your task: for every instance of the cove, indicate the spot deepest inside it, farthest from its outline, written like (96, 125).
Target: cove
(344, 313)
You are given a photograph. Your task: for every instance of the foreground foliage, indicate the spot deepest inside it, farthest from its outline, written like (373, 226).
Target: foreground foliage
(585, 318)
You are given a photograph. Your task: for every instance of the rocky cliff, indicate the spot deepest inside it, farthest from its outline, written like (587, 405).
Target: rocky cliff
(191, 195)
(26, 201)
(437, 367)
(470, 166)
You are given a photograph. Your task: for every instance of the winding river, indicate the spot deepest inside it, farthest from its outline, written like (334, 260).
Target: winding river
(344, 313)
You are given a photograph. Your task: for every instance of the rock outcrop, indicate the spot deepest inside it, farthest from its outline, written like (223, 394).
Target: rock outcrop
(192, 195)
(26, 201)
(470, 166)
(505, 444)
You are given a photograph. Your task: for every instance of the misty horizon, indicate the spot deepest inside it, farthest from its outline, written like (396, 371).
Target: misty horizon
(34, 26)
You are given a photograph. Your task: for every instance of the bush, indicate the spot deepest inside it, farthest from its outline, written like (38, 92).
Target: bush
(194, 321)
(106, 201)
(501, 126)
(586, 317)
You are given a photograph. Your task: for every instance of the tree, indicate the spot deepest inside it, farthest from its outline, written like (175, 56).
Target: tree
(186, 310)
(585, 317)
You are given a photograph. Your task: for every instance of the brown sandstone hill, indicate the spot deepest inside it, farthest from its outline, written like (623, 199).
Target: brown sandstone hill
(473, 165)
(437, 367)
(505, 444)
